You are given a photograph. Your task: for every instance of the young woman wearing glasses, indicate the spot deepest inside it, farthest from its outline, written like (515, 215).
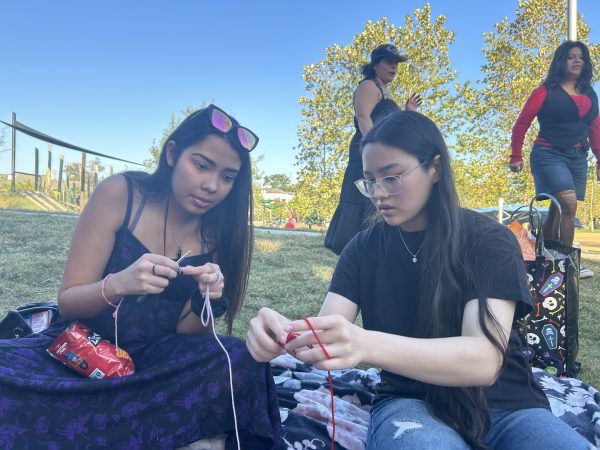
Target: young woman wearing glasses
(438, 287)
(125, 249)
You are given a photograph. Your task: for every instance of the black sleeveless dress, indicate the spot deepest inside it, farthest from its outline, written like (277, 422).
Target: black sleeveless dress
(179, 393)
(353, 208)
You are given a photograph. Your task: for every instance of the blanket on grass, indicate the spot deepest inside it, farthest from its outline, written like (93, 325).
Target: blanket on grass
(305, 404)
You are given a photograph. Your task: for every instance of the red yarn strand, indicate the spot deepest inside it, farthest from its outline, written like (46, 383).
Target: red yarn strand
(330, 381)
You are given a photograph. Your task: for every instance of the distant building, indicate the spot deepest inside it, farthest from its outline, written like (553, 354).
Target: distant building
(276, 194)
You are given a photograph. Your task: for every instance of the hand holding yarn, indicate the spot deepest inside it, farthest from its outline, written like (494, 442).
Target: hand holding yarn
(149, 274)
(208, 276)
(335, 344)
(266, 336)
(292, 336)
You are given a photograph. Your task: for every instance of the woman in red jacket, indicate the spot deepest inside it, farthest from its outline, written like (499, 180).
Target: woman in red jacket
(567, 110)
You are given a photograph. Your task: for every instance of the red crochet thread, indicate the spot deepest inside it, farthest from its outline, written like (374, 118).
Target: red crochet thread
(292, 336)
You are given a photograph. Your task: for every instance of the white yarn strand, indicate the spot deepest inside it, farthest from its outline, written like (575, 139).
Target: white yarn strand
(206, 317)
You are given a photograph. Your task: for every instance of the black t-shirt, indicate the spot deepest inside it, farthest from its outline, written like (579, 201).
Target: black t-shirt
(376, 272)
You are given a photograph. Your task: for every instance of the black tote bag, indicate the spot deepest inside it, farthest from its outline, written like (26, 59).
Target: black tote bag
(550, 333)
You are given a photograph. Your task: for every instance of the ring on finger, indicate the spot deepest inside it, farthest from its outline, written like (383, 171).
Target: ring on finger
(153, 269)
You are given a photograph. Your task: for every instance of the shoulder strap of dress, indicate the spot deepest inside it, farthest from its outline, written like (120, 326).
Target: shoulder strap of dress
(138, 213)
(376, 84)
(380, 88)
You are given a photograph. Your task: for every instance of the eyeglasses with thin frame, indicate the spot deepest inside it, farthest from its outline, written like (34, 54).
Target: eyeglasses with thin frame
(221, 121)
(390, 185)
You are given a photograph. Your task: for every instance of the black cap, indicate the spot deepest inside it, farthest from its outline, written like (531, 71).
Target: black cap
(387, 51)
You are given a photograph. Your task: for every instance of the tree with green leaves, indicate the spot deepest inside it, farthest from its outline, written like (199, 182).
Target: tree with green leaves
(589, 213)
(257, 177)
(174, 122)
(279, 181)
(327, 112)
(518, 54)
(96, 165)
(2, 139)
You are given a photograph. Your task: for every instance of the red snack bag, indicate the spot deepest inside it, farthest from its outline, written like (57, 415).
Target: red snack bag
(88, 354)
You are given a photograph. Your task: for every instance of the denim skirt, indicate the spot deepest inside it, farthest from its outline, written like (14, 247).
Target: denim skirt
(556, 170)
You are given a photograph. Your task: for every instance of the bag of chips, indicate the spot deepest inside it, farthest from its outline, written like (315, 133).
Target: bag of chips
(84, 351)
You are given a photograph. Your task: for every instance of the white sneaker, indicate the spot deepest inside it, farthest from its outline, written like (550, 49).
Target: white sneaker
(585, 273)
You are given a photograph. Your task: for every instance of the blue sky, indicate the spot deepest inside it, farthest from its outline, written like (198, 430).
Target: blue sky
(107, 75)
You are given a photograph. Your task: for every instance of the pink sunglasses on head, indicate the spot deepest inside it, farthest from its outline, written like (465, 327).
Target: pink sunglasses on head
(222, 122)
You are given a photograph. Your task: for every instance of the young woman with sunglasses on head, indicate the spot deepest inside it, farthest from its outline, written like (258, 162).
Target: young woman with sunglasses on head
(566, 106)
(124, 251)
(371, 101)
(438, 287)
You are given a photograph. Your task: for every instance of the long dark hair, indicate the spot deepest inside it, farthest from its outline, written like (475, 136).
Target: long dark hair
(558, 66)
(227, 226)
(445, 272)
(368, 70)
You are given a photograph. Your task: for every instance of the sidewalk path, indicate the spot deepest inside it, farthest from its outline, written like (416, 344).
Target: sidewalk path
(284, 231)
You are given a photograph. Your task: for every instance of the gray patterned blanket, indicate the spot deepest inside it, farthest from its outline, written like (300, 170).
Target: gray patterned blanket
(305, 404)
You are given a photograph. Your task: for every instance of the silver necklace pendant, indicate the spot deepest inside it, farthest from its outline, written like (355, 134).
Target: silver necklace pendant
(414, 255)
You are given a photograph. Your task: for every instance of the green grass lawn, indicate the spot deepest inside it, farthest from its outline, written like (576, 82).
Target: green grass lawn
(290, 273)
(14, 200)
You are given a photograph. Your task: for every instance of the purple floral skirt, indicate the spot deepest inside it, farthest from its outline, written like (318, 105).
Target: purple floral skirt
(179, 394)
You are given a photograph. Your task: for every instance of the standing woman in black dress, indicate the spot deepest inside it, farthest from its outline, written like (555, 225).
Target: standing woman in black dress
(371, 101)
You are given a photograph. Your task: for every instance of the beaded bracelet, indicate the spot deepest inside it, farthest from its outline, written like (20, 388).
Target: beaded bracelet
(102, 290)
(117, 306)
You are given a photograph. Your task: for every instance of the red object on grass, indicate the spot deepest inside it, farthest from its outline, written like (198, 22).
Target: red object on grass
(84, 351)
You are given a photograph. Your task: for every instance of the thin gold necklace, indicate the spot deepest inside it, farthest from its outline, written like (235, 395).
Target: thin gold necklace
(414, 255)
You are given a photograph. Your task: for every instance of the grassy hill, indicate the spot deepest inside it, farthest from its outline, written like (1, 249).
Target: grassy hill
(16, 200)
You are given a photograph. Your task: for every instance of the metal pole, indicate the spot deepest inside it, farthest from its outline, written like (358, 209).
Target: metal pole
(60, 172)
(13, 184)
(572, 20)
(37, 169)
(83, 155)
(50, 157)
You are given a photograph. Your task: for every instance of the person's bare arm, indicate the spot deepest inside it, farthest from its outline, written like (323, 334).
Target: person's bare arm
(366, 96)
(80, 294)
(466, 360)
